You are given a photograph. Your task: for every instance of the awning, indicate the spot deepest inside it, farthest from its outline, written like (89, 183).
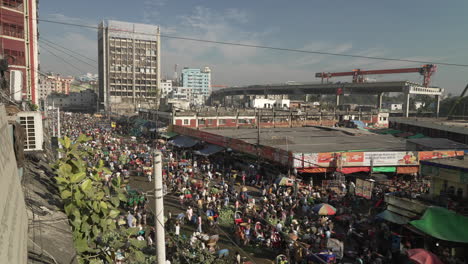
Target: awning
(384, 169)
(349, 170)
(316, 170)
(208, 150)
(407, 169)
(392, 217)
(183, 142)
(168, 135)
(443, 224)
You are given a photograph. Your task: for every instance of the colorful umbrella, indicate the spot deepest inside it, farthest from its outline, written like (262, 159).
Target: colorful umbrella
(324, 209)
(423, 256)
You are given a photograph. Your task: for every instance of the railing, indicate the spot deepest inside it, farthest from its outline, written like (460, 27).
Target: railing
(14, 4)
(12, 33)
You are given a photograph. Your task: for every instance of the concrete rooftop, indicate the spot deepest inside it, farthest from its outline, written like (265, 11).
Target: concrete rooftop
(460, 127)
(314, 140)
(450, 162)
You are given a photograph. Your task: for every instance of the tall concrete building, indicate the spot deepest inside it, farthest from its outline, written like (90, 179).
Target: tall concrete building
(129, 66)
(199, 82)
(18, 44)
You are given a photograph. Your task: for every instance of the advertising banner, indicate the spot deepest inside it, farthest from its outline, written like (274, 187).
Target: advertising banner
(428, 155)
(359, 159)
(298, 160)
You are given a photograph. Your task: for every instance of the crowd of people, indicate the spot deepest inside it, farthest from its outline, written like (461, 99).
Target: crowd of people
(219, 197)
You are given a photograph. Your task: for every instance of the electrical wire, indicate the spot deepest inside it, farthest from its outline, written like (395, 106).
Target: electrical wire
(73, 56)
(259, 46)
(70, 50)
(62, 59)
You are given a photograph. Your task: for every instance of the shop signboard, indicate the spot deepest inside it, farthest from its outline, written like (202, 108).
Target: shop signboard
(364, 188)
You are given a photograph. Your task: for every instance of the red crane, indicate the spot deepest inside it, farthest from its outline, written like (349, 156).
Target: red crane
(358, 76)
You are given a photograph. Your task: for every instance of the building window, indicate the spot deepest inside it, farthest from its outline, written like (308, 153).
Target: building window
(201, 121)
(222, 121)
(210, 121)
(186, 121)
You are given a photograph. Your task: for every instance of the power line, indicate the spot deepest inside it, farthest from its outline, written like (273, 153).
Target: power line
(85, 62)
(77, 53)
(62, 59)
(260, 46)
(264, 47)
(64, 48)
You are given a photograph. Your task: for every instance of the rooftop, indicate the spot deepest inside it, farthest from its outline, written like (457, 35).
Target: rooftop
(315, 140)
(460, 127)
(449, 163)
(438, 143)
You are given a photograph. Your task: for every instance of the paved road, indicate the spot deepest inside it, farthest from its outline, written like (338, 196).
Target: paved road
(171, 204)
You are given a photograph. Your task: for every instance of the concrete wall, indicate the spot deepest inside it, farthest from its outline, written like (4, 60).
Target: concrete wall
(14, 219)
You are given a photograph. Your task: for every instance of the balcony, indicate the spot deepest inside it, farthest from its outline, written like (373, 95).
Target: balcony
(14, 4)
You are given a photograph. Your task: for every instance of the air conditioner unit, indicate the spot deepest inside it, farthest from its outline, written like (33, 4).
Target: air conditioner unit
(16, 85)
(32, 123)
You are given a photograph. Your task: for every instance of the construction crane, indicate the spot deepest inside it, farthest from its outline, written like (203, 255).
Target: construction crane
(358, 76)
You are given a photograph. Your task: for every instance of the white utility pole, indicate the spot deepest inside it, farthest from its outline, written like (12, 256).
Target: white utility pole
(53, 122)
(159, 213)
(58, 122)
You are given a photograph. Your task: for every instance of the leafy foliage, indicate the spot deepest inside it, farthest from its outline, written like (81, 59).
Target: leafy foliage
(92, 206)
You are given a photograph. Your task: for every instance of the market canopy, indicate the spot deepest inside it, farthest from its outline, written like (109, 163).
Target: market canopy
(443, 224)
(208, 150)
(168, 135)
(392, 217)
(183, 142)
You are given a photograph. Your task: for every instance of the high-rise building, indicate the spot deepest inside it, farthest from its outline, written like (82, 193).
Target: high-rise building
(199, 82)
(129, 66)
(18, 44)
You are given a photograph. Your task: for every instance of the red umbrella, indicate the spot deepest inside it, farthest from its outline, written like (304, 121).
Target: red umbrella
(423, 256)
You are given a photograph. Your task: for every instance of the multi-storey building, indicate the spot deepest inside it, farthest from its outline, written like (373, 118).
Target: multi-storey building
(83, 101)
(18, 44)
(199, 82)
(53, 83)
(166, 88)
(129, 66)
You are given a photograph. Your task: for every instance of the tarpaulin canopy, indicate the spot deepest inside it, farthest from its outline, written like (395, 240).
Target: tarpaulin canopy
(349, 170)
(316, 170)
(208, 150)
(284, 181)
(417, 136)
(183, 142)
(443, 224)
(422, 256)
(392, 217)
(168, 135)
(384, 169)
(407, 169)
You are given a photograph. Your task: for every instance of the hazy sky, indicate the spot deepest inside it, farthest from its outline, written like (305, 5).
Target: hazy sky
(431, 30)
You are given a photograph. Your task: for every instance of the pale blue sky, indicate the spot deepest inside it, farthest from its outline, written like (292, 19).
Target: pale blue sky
(417, 29)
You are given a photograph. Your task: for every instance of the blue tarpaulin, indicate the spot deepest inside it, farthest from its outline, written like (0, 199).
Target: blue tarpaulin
(359, 123)
(209, 150)
(392, 217)
(183, 142)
